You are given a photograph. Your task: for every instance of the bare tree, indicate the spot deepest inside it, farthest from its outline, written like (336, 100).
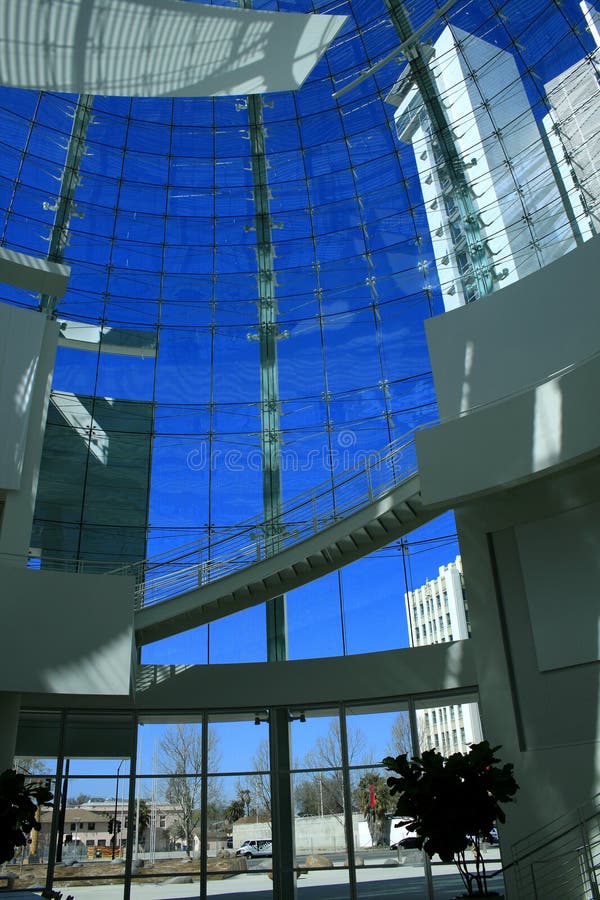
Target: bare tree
(401, 735)
(255, 789)
(181, 760)
(30, 765)
(328, 785)
(327, 752)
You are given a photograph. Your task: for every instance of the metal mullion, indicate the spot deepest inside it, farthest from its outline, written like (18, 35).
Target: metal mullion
(56, 810)
(159, 310)
(132, 830)
(204, 808)
(211, 402)
(24, 154)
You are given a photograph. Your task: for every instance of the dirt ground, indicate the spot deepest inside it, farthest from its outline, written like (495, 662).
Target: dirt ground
(107, 872)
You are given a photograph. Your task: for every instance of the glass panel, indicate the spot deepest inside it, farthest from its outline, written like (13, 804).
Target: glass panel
(319, 829)
(29, 864)
(318, 800)
(166, 843)
(239, 837)
(449, 728)
(376, 731)
(381, 865)
(93, 826)
(239, 805)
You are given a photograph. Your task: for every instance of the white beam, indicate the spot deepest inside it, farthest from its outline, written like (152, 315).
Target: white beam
(33, 273)
(152, 48)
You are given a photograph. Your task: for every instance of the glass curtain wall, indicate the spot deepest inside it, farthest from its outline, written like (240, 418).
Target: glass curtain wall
(194, 798)
(159, 227)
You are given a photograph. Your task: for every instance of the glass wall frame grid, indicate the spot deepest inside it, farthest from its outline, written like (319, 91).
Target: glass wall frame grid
(205, 718)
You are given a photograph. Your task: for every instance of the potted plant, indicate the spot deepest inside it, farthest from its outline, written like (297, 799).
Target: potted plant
(19, 802)
(454, 803)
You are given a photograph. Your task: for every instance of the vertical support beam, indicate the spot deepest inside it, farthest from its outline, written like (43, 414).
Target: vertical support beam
(348, 821)
(132, 811)
(269, 376)
(56, 828)
(204, 808)
(425, 82)
(282, 829)
(65, 206)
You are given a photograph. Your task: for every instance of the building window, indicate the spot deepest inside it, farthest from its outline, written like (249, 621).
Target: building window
(162, 821)
(91, 826)
(73, 826)
(102, 842)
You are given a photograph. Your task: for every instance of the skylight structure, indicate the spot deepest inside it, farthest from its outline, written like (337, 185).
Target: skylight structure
(237, 225)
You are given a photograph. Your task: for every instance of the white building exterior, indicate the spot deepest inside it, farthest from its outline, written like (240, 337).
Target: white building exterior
(436, 612)
(573, 133)
(522, 218)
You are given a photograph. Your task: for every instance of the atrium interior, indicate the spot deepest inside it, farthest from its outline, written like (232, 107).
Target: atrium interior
(299, 355)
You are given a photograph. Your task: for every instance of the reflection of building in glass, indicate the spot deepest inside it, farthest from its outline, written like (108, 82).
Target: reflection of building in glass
(522, 220)
(93, 476)
(574, 133)
(436, 613)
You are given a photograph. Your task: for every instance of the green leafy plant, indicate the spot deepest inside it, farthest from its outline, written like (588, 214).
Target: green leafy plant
(453, 803)
(20, 798)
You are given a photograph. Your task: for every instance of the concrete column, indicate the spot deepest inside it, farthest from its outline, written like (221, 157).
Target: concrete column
(15, 529)
(10, 705)
(284, 876)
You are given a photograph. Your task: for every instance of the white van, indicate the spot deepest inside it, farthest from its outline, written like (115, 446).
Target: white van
(250, 849)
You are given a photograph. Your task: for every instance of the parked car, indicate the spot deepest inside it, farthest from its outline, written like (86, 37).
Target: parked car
(400, 836)
(252, 849)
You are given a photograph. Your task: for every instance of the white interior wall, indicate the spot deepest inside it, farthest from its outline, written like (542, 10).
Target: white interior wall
(528, 533)
(547, 721)
(560, 561)
(506, 443)
(64, 633)
(21, 335)
(420, 670)
(517, 336)
(30, 403)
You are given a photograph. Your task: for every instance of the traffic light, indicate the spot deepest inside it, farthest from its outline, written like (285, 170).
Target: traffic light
(110, 826)
(117, 826)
